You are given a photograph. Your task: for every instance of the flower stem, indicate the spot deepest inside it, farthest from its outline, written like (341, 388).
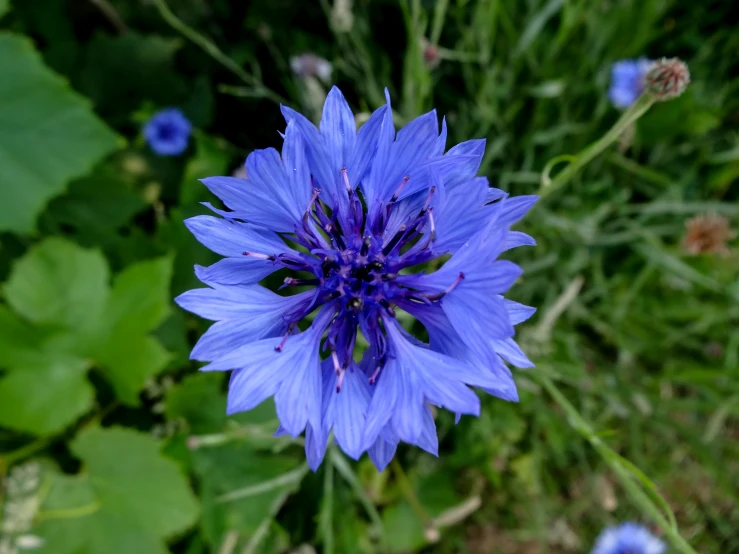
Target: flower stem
(24, 451)
(214, 52)
(642, 490)
(634, 112)
(410, 495)
(327, 508)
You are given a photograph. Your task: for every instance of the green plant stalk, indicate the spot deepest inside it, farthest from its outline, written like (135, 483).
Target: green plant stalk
(634, 112)
(438, 22)
(23, 452)
(410, 495)
(627, 473)
(290, 478)
(341, 465)
(210, 48)
(327, 509)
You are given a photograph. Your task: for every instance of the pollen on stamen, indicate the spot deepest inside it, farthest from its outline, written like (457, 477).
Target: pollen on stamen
(428, 201)
(432, 224)
(346, 180)
(258, 256)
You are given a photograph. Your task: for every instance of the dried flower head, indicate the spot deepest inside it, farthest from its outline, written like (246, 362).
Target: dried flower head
(707, 234)
(352, 216)
(667, 78)
(431, 53)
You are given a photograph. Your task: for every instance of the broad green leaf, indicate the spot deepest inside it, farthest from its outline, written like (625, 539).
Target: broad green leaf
(129, 498)
(68, 319)
(129, 361)
(50, 135)
(232, 467)
(4, 7)
(44, 400)
(66, 512)
(200, 400)
(140, 300)
(96, 206)
(19, 341)
(43, 371)
(58, 283)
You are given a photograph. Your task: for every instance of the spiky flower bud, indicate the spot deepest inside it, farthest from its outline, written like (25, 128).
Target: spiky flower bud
(667, 78)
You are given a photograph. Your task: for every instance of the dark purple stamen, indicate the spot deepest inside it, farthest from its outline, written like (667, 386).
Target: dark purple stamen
(395, 240)
(450, 288)
(403, 183)
(358, 270)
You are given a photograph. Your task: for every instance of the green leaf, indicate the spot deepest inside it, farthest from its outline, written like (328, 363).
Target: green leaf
(97, 205)
(19, 341)
(129, 361)
(138, 303)
(200, 400)
(130, 498)
(71, 319)
(403, 528)
(59, 283)
(45, 399)
(140, 297)
(4, 7)
(50, 135)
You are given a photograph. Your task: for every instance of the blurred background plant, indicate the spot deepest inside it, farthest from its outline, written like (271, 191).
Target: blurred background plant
(110, 440)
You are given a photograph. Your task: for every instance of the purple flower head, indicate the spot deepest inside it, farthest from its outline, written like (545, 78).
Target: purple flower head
(167, 132)
(350, 216)
(627, 81)
(628, 538)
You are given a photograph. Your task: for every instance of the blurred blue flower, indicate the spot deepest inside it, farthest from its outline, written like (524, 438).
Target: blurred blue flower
(627, 81)
(361, 210)
(167, 132)
(628, 538)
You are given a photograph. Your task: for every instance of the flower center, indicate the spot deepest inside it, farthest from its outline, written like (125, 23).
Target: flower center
(166, 131)
(353, 254)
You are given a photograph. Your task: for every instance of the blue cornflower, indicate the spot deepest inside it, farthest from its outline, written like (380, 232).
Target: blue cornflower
(627, 81)
(350, 216)
(167, 132)
(628, 538)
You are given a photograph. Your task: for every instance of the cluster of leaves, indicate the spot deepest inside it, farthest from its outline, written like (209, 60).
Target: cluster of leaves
(636, 343)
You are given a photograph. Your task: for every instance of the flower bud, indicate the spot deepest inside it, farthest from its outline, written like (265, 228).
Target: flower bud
(667, 78)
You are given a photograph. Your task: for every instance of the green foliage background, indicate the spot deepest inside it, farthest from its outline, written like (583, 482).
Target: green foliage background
(112, 443)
